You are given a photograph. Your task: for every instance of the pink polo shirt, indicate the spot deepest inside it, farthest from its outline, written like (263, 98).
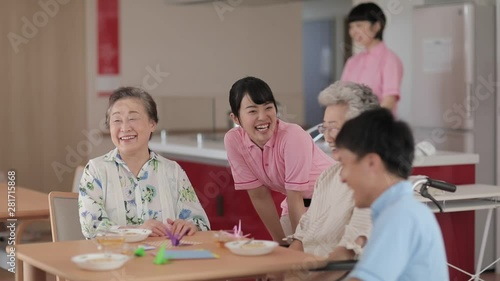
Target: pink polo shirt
(378, 68)
(289, 161)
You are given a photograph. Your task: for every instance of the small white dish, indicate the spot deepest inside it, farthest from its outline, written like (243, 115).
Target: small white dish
(251, 248)
(100, 262)
(134, 234)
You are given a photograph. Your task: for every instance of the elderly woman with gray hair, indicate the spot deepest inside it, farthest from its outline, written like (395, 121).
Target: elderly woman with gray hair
(132, 186)
(332, 226)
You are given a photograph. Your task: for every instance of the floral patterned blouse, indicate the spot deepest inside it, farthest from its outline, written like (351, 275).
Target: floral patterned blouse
(161, 190)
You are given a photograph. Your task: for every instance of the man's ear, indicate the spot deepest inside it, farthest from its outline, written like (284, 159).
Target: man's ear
(374, 162)
(235, 119)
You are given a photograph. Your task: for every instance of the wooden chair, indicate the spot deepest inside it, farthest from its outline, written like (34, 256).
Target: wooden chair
(314, 132)
(64, 217)
(76, 178)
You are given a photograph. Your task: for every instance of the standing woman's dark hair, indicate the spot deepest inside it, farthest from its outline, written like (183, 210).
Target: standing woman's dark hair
(258, 91)
(368, 12)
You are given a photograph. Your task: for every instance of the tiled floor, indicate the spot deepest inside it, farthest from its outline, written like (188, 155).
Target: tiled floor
(490, 277)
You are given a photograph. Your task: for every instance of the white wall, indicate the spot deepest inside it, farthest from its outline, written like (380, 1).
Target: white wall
(205, 49)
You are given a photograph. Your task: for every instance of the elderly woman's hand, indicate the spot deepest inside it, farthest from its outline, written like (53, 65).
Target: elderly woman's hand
(157, 227)
(181, 226)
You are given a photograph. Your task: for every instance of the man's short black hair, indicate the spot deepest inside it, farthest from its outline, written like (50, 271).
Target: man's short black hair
(377, 131)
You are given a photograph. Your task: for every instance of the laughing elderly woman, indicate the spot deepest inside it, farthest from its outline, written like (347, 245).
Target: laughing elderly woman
(332, 226)
(132, 186)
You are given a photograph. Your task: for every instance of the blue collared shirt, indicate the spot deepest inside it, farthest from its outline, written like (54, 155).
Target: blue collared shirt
(406, 242)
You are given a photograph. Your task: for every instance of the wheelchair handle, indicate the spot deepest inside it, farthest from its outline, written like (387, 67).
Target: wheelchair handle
(442, 185)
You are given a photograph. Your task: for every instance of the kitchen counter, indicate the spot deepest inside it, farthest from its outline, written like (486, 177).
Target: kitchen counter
(211, 151)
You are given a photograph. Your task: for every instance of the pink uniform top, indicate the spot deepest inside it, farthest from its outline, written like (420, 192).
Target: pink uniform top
(289, 161)
(378, 68)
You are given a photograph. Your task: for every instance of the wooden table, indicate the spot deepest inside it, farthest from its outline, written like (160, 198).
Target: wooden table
(29, 205)
(36, 262)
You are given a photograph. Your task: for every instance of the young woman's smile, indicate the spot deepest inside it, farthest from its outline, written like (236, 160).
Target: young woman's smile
(258, 120)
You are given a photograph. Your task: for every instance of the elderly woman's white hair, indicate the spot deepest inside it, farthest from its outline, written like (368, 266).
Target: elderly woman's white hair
(357, 97)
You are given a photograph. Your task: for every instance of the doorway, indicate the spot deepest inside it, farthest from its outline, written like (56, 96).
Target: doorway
(318, 61)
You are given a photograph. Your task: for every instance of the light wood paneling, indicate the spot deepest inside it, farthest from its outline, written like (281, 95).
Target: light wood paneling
(42, 105)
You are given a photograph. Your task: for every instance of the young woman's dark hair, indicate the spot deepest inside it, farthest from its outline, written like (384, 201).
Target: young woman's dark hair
(257, 90)
(368, 12)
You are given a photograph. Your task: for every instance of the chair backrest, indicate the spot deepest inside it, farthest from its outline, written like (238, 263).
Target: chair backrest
(77, 177)
(64, 217)
(315, 134)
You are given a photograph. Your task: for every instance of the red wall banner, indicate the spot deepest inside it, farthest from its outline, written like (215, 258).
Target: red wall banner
(108, 48)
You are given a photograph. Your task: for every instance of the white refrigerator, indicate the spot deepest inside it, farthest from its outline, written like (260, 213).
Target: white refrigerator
(453, 85)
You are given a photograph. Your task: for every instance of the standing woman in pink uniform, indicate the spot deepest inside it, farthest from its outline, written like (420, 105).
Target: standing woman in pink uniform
(266, 154)
(377, 66)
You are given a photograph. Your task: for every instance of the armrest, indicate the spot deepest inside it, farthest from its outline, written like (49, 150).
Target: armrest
(337, 266)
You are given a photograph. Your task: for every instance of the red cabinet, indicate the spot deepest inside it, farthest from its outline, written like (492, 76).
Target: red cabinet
(457, 227)
(224, 205)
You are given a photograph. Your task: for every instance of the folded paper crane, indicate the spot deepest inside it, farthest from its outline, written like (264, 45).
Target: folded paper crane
(160, 256)
(237, 232)
(224, 236)
(175, 239)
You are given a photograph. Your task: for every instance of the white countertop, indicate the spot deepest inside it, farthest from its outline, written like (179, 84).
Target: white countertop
(186, 148)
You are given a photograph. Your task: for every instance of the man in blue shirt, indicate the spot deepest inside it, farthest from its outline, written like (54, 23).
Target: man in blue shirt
(376, 152)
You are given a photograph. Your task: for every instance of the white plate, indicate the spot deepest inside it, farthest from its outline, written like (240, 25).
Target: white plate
(252, 248)
(100, 262)
(134, 234)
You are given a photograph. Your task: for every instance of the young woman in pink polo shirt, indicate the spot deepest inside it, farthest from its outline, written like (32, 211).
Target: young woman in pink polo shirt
(266, 154)
(377, 66)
